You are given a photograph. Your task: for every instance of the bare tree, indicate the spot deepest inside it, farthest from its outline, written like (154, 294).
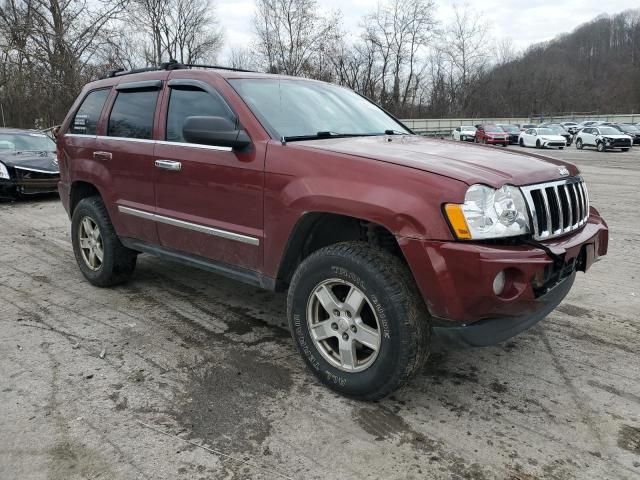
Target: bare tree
(399, 30)
(293, 35)
(51, 45)
(464, 48)
(242, 58)
(185, 30)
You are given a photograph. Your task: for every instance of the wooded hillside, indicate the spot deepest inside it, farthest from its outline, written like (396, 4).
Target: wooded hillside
(596, 68)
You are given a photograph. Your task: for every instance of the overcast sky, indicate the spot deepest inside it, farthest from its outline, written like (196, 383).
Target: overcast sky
(524, 22)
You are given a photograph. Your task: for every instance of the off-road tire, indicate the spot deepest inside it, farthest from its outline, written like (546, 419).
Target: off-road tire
(118, 262)
(389, 287)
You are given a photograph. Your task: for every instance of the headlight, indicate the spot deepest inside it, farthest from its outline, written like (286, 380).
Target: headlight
(4, 173)
(489, 213)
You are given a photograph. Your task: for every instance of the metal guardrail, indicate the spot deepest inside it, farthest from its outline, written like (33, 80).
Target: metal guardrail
(444, 126)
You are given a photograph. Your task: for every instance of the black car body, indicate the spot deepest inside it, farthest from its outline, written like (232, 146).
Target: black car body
(631, 130)
(28, 163)
(513, 131)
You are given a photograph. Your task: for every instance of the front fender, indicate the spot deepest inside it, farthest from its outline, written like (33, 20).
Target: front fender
(404, 200)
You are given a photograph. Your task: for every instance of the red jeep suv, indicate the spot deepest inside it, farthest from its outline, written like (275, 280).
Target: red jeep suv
(388, 243)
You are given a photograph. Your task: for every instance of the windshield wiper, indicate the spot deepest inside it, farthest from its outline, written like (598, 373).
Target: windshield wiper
(325, 134)
(395, 132)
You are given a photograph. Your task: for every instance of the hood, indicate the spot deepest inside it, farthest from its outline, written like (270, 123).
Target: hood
(615, 135)
(39, 161)
(469, 163)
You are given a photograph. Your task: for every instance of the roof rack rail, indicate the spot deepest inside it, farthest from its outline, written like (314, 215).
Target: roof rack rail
(218, 67)
(171, 65)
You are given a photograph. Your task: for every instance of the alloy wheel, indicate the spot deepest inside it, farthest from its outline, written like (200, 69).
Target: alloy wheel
(91, 245)
(343, 325)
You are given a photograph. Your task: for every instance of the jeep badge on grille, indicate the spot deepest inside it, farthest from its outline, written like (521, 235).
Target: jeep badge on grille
(563, 171)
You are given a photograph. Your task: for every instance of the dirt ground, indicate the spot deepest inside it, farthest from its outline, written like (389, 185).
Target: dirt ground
(181, 374)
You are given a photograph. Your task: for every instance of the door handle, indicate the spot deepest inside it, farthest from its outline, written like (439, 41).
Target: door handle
(102, 155)
(169, 165)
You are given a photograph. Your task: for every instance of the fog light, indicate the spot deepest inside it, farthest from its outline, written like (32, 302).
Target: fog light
(498, 283)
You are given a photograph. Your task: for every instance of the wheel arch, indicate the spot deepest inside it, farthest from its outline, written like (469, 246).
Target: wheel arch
(79, 190)
(315, 230)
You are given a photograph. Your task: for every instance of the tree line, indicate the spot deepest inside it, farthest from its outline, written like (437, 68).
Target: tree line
(401, 55)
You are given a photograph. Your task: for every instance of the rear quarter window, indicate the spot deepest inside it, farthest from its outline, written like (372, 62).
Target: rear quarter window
(85, 121)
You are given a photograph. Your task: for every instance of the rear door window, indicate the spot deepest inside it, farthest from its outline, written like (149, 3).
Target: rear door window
(132, 114)
(191, 101)
(85, 121)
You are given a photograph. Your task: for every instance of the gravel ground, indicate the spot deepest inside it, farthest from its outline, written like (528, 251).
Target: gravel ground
(181, 374)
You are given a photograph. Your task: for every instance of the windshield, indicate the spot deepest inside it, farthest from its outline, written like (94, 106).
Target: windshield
(509, 128)
(609, 131)
(545, 131)
(628, 128)
(26, 141)
(493, 129)
(301, 108)
(556, 129)
(468, 128)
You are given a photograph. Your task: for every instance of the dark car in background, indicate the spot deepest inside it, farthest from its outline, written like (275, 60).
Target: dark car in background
(492, 135)
(571, 127)
(28, 163)
(631, 130)
(513, 131)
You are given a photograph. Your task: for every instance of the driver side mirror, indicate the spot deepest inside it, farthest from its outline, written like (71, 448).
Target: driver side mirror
(217, 131)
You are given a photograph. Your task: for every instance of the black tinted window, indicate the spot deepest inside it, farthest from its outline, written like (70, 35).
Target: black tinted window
(132, 114)
(192, 102)
(85, 121)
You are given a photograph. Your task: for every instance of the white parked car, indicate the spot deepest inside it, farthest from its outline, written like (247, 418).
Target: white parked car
(541, 138)
(603, 138)
(464, 133)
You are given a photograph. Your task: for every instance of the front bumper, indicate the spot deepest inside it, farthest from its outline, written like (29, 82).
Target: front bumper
(553, 143)
(491, 331)
(497, 141)
(27, 182)
(456, 278)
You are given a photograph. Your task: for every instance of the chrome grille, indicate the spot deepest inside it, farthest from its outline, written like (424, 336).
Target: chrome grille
(557, 207)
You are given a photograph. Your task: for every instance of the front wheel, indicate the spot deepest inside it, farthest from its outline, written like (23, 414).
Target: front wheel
(579, 144)
(538, 144)
(358, 320)
(624, 149)
(601, 147)
(521, 142)
(102, 258)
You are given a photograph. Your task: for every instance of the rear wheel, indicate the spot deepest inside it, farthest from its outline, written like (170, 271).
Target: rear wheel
(579, 145)
(358, 320)
(601, 147)
(102, 258)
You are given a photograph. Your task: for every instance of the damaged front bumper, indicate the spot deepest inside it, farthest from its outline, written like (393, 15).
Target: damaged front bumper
(457, 281)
